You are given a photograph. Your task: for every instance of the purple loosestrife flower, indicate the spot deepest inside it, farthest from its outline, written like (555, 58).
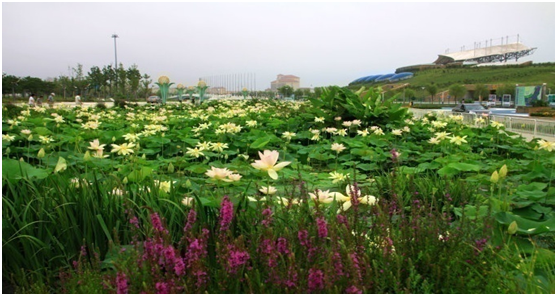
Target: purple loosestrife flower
(316, 280)
(121, 283)
(266, 247)
(356, 263)
(226, 213)
(342, 220)
(134, 222)
(192, 217)
(353, 290)
(267, 213)
(157, 223)
(236, 259)
(162, 288)
(292, 280)
(394, 155)
(303, 238)
(337, 263)
(179, 266)
(322, 227)
(282, 246)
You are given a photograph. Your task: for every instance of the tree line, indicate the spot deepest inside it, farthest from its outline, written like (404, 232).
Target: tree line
(105, 82)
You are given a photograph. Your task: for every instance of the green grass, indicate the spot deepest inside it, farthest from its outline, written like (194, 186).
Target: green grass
(536, 74)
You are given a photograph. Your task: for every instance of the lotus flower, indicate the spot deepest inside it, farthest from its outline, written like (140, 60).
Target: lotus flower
(268, 163)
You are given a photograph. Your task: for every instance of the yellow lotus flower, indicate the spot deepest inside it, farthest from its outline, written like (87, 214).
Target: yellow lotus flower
(347, 200)
(322, 196)
(123, 149)
(458, 140)
(96, 145)
(219, 174)
(433, 141)
(268, 190)
(337, 177)
(268, 163)
(549, 146)
(195, 152)
(337, 147)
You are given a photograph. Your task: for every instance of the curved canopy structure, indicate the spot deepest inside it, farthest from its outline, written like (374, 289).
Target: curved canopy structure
(384, 77)
(487, 54)
(401, 76)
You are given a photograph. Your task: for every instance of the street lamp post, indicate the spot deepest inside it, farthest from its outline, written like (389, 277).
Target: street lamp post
(115, 52)
(115, 61)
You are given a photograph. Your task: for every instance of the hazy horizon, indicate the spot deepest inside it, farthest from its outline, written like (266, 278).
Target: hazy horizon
(324, 44)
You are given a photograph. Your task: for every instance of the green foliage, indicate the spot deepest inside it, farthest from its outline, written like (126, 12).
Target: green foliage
(286, 90)
(366, 106)
(457, 91)
(422, 190)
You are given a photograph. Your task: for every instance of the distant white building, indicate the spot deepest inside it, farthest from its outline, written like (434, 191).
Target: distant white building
(282, 80)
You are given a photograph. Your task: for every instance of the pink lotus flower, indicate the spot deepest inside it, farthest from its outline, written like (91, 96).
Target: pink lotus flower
(268, 163)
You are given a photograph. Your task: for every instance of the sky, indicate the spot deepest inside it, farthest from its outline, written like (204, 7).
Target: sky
(326, 43)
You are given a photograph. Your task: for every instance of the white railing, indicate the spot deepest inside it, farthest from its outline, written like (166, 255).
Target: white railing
(534, 127)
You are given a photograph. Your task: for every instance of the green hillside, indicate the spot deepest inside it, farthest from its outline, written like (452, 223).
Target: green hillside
(534, 74)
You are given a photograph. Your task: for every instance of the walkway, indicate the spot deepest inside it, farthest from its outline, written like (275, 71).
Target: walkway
(530, 128)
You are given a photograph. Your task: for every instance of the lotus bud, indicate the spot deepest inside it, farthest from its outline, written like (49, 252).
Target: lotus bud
(170, 168)
(87, 156)
(125, 180)
(8, 150)
(494, 177)
(30, 138)
(188, 183)
(41, 153)
(21, 159)
(143, 156)
(61, 165)
(503, 171)
(164, 79)
(513, 227)
(113, 139)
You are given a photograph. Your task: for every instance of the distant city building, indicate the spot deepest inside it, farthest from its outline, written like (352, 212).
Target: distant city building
(219, 90)
(282, 80)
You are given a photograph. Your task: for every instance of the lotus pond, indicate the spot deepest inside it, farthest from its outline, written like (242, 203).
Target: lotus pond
(343, 194)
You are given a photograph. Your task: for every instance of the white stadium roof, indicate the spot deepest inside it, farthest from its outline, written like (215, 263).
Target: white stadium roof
(486, 54)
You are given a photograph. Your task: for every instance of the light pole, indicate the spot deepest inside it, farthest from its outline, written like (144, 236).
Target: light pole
(115, 52)
(115, 61)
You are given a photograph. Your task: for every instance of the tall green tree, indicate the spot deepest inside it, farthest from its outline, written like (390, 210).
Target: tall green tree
(122, 79)
(134, 78)
(97, 79)
(431, 89)
(457, 91)
(285, 90)
(110, 75)
(146, 85)
(10, 84)
(299, 93)
(318, 91)
(481, 92)
(409, 94)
